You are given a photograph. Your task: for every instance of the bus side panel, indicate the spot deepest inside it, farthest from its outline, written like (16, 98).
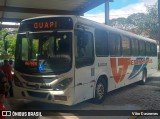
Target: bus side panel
(102, 68)
(152, 67)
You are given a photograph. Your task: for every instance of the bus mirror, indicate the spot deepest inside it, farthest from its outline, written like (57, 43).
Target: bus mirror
(27, 35)
(6, 45)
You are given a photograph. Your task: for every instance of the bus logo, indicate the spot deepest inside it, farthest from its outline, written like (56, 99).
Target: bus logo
(41, 67)
(37, 86)
(119, 68)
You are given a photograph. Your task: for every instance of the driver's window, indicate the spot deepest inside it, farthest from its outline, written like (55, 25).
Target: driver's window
(48, 47)
(85, 51)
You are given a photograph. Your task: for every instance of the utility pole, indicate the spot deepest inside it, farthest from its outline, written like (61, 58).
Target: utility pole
(107, 11)
(159, 24)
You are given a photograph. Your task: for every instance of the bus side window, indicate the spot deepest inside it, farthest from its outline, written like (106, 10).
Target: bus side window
(126, 50)
(142, 51)
(148, 50)
(153, 49)
(114, 44)
(101, 43)
(85, 49)
(134, 44)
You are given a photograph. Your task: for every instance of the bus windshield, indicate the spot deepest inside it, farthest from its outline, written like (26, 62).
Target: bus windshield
(44, 52)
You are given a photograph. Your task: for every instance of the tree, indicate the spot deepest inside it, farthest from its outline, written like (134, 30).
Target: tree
(152, 21)
(11, 39)
(140, 23)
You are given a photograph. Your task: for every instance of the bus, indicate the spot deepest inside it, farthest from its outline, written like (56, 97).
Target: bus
(69, 59)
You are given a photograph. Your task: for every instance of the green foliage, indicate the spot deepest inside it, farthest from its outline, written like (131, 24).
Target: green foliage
(121, 23)
(34, 48)
(140, 23)
(11, 43)
(152, 21)
(11, 39)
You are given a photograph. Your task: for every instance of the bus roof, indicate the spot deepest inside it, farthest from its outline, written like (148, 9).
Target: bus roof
(48, 16)
(96, 25)
(109, 28)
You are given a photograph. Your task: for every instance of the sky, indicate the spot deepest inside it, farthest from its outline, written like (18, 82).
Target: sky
(119, 8)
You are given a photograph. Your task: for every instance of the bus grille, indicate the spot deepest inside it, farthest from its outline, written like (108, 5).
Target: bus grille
(38, 79)
(39, 86)
(37, 94)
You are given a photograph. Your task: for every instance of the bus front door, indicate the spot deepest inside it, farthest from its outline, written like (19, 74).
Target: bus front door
(84, 71)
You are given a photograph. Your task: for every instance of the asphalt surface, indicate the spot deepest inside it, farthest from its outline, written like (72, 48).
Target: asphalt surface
(133, 97)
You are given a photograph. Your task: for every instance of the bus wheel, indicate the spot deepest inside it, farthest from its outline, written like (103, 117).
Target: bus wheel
(144, 77)
(100, 91)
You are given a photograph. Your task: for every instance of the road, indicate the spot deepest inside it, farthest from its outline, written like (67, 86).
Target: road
(133, 97)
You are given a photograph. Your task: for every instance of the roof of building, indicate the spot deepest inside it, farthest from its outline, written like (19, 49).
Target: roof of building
(16, 10)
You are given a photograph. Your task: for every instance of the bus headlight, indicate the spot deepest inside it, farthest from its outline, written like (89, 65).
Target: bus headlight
(62, 85)
(12, 72)
(17, 82)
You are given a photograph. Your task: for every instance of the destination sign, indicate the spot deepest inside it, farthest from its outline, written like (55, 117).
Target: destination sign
(30, 63)
(45, 24)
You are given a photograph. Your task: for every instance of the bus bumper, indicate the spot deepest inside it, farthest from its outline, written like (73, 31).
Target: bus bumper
(55, 97)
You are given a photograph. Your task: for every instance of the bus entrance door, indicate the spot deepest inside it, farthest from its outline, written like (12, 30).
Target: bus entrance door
(84, 71)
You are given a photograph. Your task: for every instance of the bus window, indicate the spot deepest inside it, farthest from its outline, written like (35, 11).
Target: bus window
(126, 46)
(114, 44)
(85, 49)
(101, 43)
(142, 48)
(24, 48)
(35, 43)
(134, 44)
(153, 49)
(29, 45)
(148, 50)
(48, 47)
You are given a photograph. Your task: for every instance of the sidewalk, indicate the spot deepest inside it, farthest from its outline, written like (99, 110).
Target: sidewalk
(156, 74)
(82, 106)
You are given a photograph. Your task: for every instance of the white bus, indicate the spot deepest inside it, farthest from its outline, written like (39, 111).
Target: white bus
(69, 59)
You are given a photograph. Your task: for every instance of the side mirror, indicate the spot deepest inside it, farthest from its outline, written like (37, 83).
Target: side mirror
(5, 45)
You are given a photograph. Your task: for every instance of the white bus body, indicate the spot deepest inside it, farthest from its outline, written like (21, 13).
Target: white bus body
(96, 67)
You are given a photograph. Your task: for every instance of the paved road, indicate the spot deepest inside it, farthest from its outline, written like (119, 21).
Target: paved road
(133, 97)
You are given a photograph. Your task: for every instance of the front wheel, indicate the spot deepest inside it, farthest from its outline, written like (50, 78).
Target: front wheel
(100, 91)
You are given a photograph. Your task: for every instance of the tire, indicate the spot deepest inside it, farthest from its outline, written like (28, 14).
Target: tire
(144, 78)
(100, 91)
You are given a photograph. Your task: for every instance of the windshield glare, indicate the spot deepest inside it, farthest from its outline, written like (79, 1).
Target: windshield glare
(44, 52)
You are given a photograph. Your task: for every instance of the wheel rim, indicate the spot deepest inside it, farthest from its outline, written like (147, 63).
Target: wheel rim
(100, 91)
